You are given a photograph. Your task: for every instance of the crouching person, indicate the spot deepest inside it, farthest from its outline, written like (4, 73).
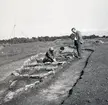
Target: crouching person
(49, 56)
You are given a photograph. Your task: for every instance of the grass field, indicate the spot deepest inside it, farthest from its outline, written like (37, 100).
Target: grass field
(13, 56)
(16, 52)
(19, 51)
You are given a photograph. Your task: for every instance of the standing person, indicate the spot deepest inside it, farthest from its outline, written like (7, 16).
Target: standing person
(77, 38)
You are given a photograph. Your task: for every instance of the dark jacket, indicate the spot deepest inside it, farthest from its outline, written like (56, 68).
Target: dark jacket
(76, 36)
(49, 57)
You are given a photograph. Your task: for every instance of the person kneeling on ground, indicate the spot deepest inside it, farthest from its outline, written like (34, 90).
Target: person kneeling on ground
(49, 56)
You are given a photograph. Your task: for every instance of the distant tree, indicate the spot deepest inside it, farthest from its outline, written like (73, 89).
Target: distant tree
(91, 36)
(16, 40)
(106, 36)
(103, 36)
(34, 39)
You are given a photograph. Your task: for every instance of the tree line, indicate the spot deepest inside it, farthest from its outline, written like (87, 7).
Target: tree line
(94, 36)
(16, 40)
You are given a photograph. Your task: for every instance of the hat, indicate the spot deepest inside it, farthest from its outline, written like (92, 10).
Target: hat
(62, 48)
(51, 49)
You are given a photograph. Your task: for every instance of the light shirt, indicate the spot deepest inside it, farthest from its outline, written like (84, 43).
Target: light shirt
(75, 38)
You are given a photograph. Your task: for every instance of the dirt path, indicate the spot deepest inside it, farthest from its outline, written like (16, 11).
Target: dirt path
(92, 89)
(55, 91)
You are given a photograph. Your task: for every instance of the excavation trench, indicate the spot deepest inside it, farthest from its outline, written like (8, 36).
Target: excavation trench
(80, 76)
(27, 77)
(59, 89)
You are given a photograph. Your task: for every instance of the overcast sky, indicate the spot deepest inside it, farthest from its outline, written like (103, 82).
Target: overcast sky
(51, 17)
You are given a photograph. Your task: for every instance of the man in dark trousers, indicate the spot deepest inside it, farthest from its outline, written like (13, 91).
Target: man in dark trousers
(77, 38)
(49, 56)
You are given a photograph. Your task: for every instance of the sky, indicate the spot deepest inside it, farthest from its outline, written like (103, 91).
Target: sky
(33, 18)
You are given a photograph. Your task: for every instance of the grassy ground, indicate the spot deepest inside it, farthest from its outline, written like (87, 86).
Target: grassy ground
(19, 51)
(16, 52)
(13, 56)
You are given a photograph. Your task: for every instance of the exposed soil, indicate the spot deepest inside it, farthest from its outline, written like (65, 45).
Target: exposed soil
(55, 89)
(92, 89)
